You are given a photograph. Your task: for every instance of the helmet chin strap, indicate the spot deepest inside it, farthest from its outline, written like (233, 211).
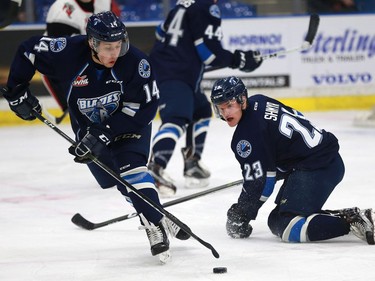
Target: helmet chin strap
(95, 55)
(94, 52)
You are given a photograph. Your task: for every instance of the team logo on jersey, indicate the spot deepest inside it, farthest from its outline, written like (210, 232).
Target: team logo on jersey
(57, 44)
(243, 148)
(68, 8)
(100, 108)
(215, 11)
(81, 81)
(144, 68)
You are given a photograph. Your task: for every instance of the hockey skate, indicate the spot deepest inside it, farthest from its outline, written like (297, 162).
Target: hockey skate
(158, 239)
(174, 230)
(361, 222)
(163, 183)
(196, 175)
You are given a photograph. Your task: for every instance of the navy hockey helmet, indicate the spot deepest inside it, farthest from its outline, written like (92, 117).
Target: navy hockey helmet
(228, 89)
(107, 27)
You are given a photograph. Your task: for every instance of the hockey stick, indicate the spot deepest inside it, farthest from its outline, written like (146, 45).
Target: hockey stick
(80, 221)
(62, 116)
(52, 118)
(309, 38)
(129, 186)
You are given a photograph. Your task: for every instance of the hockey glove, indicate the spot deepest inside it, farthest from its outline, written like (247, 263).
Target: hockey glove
(78, 159)
(21, 101)
(237, 224)
(246, 61)
(94, 142)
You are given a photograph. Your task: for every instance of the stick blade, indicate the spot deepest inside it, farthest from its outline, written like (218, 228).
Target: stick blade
(313, 28)
(80, 221)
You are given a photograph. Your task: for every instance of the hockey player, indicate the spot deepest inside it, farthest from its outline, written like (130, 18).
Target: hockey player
(69, 18)
(187, 41)
(9, 10)
(273, 142)
(112, 98)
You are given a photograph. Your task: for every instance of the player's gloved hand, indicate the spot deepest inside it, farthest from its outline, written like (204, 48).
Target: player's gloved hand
(96, 139)
(237, 224)
(246, 61)
(78, 159)
(21, 101)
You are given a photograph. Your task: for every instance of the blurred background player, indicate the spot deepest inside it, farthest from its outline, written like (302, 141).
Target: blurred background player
(112, 97)
(188, 41)
(69, 18)
(273, 142)
(9, 10)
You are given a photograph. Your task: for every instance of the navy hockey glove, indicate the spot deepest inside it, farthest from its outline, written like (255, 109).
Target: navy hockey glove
(21, 101)
(237, 224)
(246, 61)
(78, 159)
(94, 142)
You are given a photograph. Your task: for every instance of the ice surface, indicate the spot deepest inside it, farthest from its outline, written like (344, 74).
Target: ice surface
(42, 188)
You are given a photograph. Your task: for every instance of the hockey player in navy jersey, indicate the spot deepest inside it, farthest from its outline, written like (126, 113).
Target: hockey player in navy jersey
(273, 142)
(112, 98)
(188, 41)
(69, 18)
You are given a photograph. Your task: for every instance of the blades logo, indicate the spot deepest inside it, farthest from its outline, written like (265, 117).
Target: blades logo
(215, 11)
(144, 69)
(57, 44)
(81, 81)
(100, 108)
(243, 148)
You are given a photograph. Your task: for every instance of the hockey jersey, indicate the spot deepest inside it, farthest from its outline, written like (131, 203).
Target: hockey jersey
(271, 140)
(125, 97)
(188, 40)
(74, 14)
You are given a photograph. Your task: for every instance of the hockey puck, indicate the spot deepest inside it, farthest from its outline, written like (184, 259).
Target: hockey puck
(220, 270)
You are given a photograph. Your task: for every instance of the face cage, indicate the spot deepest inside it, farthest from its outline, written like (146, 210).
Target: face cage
(237, 99)
(124, 45)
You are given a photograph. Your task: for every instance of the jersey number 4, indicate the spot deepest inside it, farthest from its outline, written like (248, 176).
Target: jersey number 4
(176, 32)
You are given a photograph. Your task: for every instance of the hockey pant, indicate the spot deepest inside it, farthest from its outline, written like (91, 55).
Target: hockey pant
(298, 216)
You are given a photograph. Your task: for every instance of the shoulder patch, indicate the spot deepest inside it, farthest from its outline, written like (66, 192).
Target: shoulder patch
(144, 68)
(243, 148)
(57, 44)
(215, 11)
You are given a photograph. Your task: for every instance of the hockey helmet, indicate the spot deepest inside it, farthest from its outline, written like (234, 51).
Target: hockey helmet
(228, 89)
(107, 27)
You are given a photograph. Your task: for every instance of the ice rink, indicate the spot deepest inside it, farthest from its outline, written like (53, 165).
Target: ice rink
(42, 188)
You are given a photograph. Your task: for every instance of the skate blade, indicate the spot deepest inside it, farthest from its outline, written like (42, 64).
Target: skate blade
(165, 257)
(370, 238)
(370, 235)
